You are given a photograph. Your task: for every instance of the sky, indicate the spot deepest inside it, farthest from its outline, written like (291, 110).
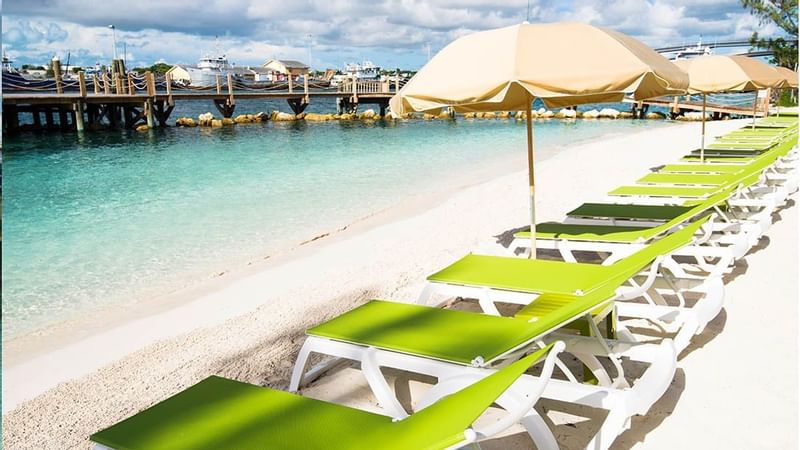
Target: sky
(330, 33)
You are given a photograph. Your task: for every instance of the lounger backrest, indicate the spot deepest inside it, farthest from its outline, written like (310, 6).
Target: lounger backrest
(629, 266)
(445, 421)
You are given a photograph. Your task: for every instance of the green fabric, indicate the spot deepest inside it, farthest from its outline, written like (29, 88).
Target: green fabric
(218, 413)
(522, 274)
(753, 146)
(557, 277)
(664, 191)
(582, 232)
(621, 211)
(449, 335)
(701, 168)
(687, 179)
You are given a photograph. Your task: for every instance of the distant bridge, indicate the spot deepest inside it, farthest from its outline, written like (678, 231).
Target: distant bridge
(725, 44)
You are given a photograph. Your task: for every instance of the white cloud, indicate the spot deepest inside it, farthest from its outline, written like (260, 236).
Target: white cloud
(391, 32)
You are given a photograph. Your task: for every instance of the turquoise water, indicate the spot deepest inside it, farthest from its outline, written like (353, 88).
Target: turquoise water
(111, 217)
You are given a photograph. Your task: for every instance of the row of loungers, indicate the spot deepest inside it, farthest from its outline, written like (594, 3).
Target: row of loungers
(654, 251)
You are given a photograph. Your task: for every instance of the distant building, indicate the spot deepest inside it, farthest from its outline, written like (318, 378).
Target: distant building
(180, 74)
(282, 68)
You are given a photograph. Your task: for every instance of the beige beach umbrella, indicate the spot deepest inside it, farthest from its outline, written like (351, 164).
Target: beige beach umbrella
(789, 80)
(789, 77)
(563, 64)
(710, 74)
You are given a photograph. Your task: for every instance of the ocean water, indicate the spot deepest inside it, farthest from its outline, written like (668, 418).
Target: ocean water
(108, 217)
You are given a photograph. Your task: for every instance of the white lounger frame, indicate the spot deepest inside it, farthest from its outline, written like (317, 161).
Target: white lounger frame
(621, 402)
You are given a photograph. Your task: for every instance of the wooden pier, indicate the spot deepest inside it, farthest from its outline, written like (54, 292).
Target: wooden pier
(123, 103)
(680, 105)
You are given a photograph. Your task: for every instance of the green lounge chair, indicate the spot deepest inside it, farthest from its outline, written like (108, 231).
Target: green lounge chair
(218, 413)
(457, 345)
(503, 279)
(619, 229)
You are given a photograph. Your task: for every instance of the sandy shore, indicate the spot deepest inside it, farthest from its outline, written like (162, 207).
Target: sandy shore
(251, 326)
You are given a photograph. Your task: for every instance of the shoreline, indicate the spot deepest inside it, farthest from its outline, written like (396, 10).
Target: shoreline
(30, 344)
(250, 326)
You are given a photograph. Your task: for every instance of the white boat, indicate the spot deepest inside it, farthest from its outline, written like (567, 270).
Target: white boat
(691, 52)
(208, 68)
(363, 71)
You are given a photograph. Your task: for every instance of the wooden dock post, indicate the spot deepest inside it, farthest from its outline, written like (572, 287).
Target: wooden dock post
(131, 86)
(219, 86)
(305, 88)
(151, 83)
(231, 100)
(168, 79)
(82, 83)
(106, 83)
(78, 106)
(57, 74)
(78, 111)
(117, 84)
(95, 84)
(397, 81)
(290, 82)
(355, 91)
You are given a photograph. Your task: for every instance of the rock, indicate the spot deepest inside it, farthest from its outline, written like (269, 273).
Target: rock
(300, 116)
(489, 115)
(694, 116)
(654, 115)
(566, 114)
(314, 117)
(469, 115)
(205, 119)
(227, 121)
(444, 114)
(185, 122)
(625, 115)
(262, 117)
(142, 127)
(282, 116)
(368, 115)
(609, 113)
(503, 115)
(547, 115)
(540, 111)
(591, 114)
(216, 123)
(479, 115)
(243, 118)
(347, 116)
(427, 116)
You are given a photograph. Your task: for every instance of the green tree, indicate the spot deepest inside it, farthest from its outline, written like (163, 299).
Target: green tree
(782, 13)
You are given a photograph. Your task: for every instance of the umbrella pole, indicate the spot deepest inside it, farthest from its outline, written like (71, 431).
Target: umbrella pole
(531, 183)
(703, 132)
(755, 103)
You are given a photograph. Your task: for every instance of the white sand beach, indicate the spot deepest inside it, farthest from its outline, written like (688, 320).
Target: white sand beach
(736, 388)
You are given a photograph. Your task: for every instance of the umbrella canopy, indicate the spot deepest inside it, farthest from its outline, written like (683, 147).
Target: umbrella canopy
(722, 73)
(563, 64)
(789, 77)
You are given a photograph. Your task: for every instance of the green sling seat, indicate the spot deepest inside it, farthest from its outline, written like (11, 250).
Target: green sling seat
(219, 413)
(670, 216)
(557, 277)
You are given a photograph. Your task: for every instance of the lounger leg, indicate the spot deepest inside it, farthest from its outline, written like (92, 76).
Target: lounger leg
(377, 382)
(539, 432)
(612, 427)
(426, 293)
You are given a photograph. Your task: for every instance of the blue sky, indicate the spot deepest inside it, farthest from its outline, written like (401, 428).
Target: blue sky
(331, 32)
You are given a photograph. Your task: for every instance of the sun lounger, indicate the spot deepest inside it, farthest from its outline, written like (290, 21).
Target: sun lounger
(502, 279)
(218, 413)
(458, 346)
(619, 229)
